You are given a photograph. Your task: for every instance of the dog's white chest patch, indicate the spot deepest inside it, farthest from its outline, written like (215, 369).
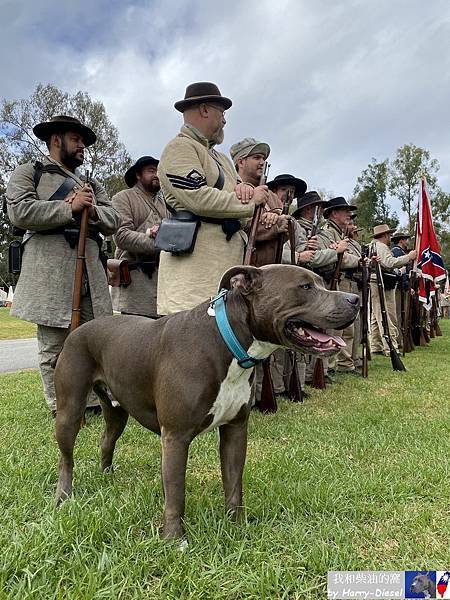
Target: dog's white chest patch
(234, 390)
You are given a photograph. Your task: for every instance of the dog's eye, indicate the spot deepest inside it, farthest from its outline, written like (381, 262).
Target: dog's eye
(306, 286)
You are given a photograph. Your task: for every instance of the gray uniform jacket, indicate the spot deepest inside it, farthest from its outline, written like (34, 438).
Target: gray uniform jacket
(139, 210)
(43, 294)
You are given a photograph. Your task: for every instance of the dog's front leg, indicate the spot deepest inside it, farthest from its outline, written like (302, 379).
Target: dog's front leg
(173, 466)
(233, 450)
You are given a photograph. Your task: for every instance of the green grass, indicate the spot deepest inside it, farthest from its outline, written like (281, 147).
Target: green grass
(356, 478)
(12, 328)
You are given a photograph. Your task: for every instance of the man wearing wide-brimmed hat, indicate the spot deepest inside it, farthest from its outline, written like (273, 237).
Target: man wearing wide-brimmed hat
(381, 245)
(46, 198)
(249, 156)
(400, 248)
(142, 208)
(197, 179)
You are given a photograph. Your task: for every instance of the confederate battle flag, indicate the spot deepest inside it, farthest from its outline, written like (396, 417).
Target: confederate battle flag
(429, 261)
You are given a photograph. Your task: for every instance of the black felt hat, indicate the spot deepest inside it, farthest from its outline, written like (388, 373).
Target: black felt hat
(199, 92)
(308, 199)
(337, 203)
(130, 175)
(62, 124)
(285, 179)
(400, 235)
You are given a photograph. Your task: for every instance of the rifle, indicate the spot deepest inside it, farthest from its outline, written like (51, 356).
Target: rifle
(80, 266)
(318, 378)
(268, 403)
(365, 313)
(295, 386)
(408, 344)
(280, 241)
(397, 364)
(436, 318)
(255, 220)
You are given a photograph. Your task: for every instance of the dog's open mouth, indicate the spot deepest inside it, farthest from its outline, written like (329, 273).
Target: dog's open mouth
(314, 340)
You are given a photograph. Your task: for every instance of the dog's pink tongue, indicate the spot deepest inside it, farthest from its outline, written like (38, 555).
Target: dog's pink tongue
(323, 338)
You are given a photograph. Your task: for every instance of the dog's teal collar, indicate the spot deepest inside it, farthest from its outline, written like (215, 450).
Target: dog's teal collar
(223, 324)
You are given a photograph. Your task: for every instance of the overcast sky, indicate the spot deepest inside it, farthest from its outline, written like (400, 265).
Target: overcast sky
(327, 84)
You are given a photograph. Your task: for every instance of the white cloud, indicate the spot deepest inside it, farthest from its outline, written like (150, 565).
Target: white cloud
(328, 85)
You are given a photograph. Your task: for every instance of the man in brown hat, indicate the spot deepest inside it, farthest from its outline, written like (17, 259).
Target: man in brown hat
(142, 208)
(381, 245)
(400, 248)
(197, 179)
(249, 156)
(46, 199)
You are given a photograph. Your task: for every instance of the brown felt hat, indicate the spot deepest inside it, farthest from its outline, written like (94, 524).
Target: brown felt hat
(381, 229)
(63, 124)
(203, 91)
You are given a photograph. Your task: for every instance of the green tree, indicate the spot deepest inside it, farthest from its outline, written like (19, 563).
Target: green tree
(409, 164)
(108, 158)
(370, 196)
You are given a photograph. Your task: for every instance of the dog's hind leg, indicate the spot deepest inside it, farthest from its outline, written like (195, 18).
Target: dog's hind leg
(115, 421)
(233, 449)
(73, 380)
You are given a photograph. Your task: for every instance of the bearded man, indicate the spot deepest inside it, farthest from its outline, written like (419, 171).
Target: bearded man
(46, 199)
(142, 208)
(201, 185)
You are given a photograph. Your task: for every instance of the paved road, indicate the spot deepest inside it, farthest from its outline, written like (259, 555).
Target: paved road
(18, 354)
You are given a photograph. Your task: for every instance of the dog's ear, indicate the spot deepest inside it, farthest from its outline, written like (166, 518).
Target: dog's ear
(245, 279)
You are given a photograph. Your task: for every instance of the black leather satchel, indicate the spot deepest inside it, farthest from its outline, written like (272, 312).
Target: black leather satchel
(178, 234)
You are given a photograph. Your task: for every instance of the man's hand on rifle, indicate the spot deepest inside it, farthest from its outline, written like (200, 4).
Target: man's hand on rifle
(82, 198)
(244, 192)
(375, 259)
(260, 195)
(306, 256)
(340, 246)
(268, 219)
(282, 223)
(313, 243)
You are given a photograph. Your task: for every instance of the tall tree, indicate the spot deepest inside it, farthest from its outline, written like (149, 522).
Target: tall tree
(370, 196)
(108, 158)
(410, 163)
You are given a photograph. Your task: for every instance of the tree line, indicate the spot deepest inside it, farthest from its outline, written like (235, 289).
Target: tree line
(108, 159)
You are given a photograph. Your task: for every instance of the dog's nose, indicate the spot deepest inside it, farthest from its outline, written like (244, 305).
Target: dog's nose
(352, 299)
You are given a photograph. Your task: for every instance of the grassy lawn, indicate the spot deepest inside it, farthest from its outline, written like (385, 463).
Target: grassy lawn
(357, 478)
(12, 328)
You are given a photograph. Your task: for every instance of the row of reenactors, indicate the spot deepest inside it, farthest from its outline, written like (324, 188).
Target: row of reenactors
(46, 199)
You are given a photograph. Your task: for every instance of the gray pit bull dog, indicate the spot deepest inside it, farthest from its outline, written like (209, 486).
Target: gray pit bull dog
(177, 377)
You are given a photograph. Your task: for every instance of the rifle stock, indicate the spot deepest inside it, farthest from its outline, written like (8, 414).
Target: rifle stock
(365, 314)
(268, 401)
(80, 267)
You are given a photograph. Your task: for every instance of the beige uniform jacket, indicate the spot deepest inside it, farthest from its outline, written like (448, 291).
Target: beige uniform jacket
(139, 210)
(188, 172)
(388, 261)
(43, 294)
(335, 234)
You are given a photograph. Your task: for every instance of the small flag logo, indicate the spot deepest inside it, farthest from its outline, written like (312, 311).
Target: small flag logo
(443, 584)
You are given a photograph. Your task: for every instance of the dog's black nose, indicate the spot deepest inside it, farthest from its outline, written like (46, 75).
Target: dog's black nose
(352, 299)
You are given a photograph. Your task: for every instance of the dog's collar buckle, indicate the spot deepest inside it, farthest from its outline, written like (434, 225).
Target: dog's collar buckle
(217, 308)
